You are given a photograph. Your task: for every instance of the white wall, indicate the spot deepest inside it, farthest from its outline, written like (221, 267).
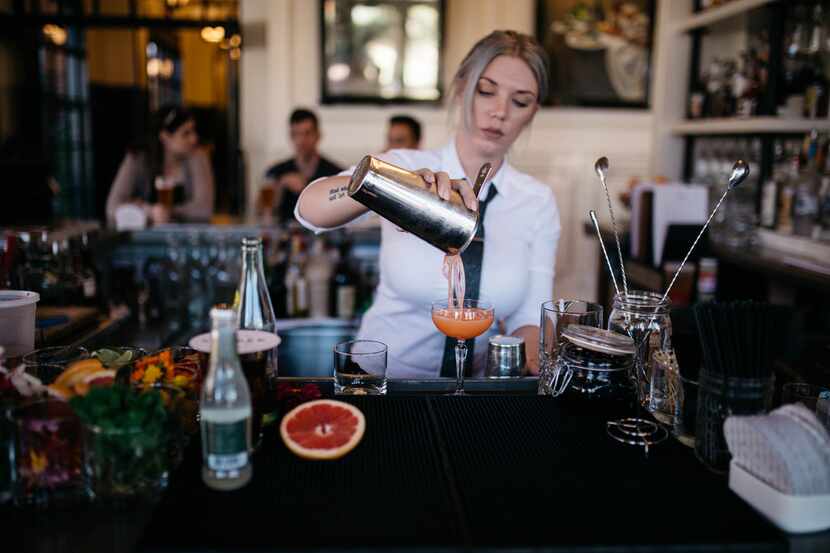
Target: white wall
(560, 149)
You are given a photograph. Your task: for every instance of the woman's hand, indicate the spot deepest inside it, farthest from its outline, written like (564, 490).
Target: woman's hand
(531, 337)
(159, 214)
(444, 185)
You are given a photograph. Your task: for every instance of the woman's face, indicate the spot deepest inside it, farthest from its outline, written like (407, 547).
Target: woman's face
(182, 141)
(505, 101)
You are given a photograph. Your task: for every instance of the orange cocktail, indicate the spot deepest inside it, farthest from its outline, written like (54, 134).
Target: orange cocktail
(464, 323)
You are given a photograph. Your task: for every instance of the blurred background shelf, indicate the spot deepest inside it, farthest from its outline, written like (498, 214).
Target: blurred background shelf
(750, 125)
(713, 15)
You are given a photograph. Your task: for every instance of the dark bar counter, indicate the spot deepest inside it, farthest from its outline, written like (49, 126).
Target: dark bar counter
(507, 470)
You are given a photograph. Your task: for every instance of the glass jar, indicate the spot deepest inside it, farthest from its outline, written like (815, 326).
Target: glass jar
(719, 398)
(644, 316)
(598, 375)
(593, 363)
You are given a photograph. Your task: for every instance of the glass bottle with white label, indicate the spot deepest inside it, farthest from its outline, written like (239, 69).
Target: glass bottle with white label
(225, 410)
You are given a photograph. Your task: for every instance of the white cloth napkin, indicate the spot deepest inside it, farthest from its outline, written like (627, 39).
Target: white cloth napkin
(789, 449)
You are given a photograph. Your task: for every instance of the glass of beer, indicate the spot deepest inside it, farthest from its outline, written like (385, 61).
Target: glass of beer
(266, 197)
(164, 191)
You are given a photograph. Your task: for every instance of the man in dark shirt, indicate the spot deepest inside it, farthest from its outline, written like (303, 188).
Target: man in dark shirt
(292, 175)
(403, 132)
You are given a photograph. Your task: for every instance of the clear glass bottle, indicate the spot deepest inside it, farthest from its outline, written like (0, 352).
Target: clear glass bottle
(343, 288)
(252, 302)
(225, 410)
(643, 316)
(296, 285)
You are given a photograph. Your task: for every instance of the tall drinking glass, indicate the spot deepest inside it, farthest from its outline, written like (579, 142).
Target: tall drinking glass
(557, 315)
(463, 323)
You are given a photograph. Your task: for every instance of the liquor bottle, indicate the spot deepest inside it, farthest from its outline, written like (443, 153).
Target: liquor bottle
(225, 410)
(252, 302)
(784, 223)
(318, 273)
(769, 192)
(815, 93)
(343, 289)
(806, 189)
(707, 279)
(296, 286)
(276, 278)
(745, 89)
(88, 273)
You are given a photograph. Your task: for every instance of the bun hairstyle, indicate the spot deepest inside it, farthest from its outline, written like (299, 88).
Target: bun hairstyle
(498, 43)
(169, 118)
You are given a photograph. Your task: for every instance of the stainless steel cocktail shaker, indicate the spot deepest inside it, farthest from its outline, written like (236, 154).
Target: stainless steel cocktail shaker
(403, 198)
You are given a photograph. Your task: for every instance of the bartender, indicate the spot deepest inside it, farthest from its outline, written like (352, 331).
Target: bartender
(497, 89)
(171, 177)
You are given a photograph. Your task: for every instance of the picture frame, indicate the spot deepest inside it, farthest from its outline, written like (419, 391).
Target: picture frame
(600, 51)
(381, 51)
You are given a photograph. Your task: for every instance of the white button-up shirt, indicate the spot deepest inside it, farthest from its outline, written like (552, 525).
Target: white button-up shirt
(521, 232)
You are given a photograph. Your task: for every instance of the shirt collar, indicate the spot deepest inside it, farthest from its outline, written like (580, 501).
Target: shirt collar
(452, 165)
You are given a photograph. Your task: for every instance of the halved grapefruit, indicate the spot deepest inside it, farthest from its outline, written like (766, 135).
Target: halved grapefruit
(322, 429)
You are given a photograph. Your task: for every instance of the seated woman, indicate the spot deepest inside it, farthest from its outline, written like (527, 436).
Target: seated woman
(171, 178)
(498, 89)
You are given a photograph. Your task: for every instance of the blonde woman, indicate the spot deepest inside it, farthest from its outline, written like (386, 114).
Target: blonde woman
(497, 89)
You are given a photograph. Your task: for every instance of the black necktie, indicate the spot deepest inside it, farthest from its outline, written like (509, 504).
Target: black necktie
(472, 258)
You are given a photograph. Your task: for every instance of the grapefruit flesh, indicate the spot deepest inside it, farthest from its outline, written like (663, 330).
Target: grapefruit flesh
(322, 429)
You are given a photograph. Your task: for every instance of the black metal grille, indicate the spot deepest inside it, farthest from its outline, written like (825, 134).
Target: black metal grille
(438, 472)
(390, 490)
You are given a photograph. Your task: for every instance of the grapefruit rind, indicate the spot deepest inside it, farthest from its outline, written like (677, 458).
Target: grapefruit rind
(292, 418)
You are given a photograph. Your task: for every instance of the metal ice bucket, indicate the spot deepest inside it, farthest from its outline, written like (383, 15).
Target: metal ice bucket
(306, 349)
(403, 198)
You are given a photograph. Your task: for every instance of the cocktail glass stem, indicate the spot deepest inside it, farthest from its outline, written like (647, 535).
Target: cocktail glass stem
(460, 356)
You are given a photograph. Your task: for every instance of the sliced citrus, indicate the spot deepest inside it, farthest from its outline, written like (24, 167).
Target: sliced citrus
(60, 392)
(322, 429)
(77, 371)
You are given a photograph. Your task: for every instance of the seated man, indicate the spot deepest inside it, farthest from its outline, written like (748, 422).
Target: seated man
(404, 132)
(289, 177)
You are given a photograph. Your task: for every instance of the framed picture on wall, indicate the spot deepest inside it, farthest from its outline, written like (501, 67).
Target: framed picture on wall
(600, 51)
(377, 51)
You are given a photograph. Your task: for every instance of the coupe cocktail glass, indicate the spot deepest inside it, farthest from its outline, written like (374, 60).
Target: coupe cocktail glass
(468, 321)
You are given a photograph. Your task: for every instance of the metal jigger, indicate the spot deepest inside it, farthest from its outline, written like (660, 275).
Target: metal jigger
(639, 431)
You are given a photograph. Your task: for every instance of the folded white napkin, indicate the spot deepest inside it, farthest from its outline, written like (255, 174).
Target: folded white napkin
(130, 217)
(789, 449)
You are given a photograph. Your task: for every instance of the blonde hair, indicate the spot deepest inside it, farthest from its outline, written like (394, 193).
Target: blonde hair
(498, 43)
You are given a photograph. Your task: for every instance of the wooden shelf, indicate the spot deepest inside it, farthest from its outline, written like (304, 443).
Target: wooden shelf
(752, 125)
(713, 15)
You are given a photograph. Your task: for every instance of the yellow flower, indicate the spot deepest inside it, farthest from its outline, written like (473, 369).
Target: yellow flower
(152, 374)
